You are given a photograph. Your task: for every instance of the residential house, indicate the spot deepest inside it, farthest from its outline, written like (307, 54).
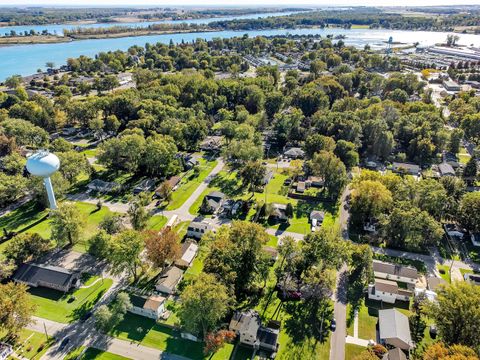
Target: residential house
(394, 272)
(52, 277)
(301, 186)
(197, 229)
(387, 291)
(212, 143)
(101, 186)
(473, 279)
(445, 169)
(278, 213)
(144, 185)
(394, 329)
(189, 251)
(168, 280)
(315, 181)
(251, 333)
(151, 307)
(318, 216)
(451, 159)
(395, 354)
(294, 153)
(212, 202)
(451, 85)
(5, 351)
(405, 168)
(174, 181)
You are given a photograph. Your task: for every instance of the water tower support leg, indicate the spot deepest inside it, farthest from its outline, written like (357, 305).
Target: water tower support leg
(51, 195)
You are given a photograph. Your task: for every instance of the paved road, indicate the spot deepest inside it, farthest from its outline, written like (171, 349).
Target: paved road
(337, 341)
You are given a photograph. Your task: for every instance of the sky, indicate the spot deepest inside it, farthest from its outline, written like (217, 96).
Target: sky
(243, 3)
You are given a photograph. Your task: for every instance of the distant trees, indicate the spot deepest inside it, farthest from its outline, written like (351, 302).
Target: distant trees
(67, 223)
(203, 304)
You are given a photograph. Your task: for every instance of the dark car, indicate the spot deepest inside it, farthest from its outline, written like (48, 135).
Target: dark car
(63, 344)
(333, 324)
(86, 316)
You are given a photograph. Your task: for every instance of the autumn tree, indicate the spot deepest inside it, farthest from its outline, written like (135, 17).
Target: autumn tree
(165, 191)
(441, 351)
(16, 308)
(162, 247)
(203, 304)
(67, 223)
(216, 340)
(7, 267)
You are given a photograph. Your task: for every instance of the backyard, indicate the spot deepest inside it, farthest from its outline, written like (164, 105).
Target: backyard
(57, 306)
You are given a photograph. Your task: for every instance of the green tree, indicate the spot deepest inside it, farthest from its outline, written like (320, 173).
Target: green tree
(26, 246)
(457, 304)
(252, 175)
(470, 172)
(138, 213)
(73, 165)
(469, 211)
(111, 223)
(99, 244)
(456, 136)
(331, 169)
(67, 223)
(124, 254)
(273, 103)
(316, 142)
(347, 152)
(204, 303)
(159, 157)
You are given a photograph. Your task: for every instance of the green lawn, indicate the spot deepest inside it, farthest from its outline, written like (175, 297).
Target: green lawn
(463, 156)
(352, 350)
(189, 184)
(32, 344)
(96, 354)
(157, 222)
(444, 272)
(31, 219)
(57, 306)
(148, 333)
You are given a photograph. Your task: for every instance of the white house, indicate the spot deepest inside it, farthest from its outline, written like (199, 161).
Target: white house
(387, 291)
(168, 280)
(5, 351)
(197, 229)
(151, 307)
(189, 251)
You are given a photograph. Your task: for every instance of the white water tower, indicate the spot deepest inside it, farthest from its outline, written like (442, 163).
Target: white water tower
(44, 164)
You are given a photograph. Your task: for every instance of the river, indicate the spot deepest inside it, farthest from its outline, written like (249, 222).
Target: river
(26, 59)
(58, 28)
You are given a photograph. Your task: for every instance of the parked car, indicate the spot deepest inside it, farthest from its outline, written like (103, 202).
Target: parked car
(333, 324)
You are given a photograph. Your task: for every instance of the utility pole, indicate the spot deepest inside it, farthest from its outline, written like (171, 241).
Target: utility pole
(45, 328)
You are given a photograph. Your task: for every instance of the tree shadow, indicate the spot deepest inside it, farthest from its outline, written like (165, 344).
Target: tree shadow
(135, 327)
(230, 186)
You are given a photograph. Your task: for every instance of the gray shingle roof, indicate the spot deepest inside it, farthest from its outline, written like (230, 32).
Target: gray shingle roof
(394, 324)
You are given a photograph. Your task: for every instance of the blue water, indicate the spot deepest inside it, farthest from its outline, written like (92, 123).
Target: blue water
(26, 59)
(58, 28)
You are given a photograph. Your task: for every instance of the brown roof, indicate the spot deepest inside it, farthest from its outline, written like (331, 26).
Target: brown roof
(395, 269)
(174, 180)
(153, 302)
(386, 286)
(434, 282)
(395, 354)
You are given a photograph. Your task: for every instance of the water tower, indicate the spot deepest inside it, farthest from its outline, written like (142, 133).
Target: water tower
(44, 164)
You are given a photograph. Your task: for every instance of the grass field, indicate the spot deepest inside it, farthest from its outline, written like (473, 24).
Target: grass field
(367, 321)
(57, 306)
(148, 333)
(352, 350)
(189, 184)
(31, 344)
(157, 222)
(29, 218)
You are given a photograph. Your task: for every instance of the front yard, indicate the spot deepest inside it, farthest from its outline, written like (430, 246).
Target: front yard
(57, 306)
(31, 344)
